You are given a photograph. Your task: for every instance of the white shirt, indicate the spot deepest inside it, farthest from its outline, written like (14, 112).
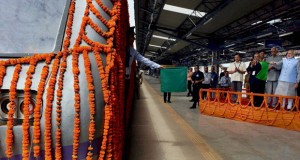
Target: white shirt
(135, 55)
(237, 76)
(207, 78)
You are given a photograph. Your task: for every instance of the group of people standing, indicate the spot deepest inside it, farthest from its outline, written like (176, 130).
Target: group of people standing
(205, 80)
(274, 75)
(271, 75)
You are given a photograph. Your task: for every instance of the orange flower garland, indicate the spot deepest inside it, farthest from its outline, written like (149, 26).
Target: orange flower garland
(107, 117)
(48, 110)
(76, 133)
(11, 112)
(96, 12)
(26, 103)
(99, 2)
(82, 27)
(91, 99)
(66, 43)
(37, 109)
(2, 73)
(63, 66)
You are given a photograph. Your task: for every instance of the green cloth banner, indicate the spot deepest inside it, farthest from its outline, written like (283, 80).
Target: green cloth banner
(173, 79)
(263, 73)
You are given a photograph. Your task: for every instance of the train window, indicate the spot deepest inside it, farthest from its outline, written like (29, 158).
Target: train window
(5, 106)
(19, 106)
(32, 26)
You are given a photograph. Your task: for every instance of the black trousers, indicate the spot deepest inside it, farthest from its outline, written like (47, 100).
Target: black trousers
(259, 87)
(190, 87)
(196, 89)
(167, 96)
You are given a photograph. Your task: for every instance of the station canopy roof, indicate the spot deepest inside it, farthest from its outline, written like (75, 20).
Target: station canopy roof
(202, 32)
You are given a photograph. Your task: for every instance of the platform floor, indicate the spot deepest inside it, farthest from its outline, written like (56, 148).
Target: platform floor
(172, 131)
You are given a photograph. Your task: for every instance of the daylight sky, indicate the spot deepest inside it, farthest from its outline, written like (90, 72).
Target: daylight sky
(131, 12)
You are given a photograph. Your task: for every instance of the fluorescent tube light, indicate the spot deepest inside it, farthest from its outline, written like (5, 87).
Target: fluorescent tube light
(162, 37)
(264, 35)
(261, 44)
(182, 10)
(255, 23)
(157, 46)
(241, 52)
(285, 34)
(274, 21)
(230, 45)
(207, 21)
(189, 35)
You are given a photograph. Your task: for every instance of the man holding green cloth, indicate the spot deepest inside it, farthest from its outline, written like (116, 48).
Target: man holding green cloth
(263, 73)
(262, 77)
(259, 69)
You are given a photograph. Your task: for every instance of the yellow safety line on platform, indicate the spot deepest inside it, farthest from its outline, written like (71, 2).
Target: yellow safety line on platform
(206, 151)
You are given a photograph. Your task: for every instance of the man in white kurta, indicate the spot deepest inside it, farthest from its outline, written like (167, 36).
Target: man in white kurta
(236, 69)
(289, 78)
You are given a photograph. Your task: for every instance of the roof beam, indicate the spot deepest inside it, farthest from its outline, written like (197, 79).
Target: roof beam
(208, 17)
(177, 37)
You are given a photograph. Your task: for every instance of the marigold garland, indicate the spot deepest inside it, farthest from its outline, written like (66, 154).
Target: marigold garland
(91, 99)
(105, 9)
(26, 103)
(76, 133)
(96, 12)
(11, 112)
(58, 146)
(48, 110)
(2, 73)
(37, 109)
(66, 43)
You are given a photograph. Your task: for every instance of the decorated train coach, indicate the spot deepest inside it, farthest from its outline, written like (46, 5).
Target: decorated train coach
(62, 79)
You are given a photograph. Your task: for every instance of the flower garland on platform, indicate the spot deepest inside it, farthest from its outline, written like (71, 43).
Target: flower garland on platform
(246, 111)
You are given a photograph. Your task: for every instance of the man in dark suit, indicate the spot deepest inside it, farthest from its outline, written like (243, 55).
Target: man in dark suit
(197, 79)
